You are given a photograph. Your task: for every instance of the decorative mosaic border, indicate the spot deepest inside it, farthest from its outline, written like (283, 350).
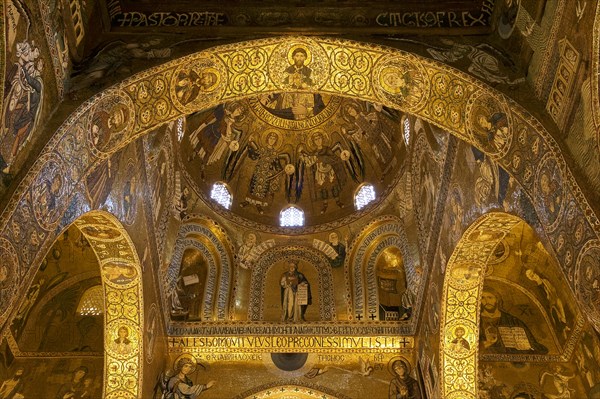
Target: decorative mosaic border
(596, 73)
(551, 43)
(14, 348)
(123, 303)
(328, 328)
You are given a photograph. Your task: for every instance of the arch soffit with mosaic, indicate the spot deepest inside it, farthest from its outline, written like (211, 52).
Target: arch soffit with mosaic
(461, 297)
(292, 389)
(428, 89)
(121, 273)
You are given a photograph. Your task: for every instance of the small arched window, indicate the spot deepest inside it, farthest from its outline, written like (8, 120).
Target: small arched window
(291, 217)
(91, 302)
(221, 195)
(364, 196)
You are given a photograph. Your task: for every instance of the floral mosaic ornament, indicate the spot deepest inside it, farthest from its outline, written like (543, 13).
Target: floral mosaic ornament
(459, 329)
(124, 315)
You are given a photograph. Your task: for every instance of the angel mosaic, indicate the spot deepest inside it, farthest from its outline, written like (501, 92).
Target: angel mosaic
(110, 59)
(177, 384)
(218, 137)
(485, 61)
(324, 168)
(370, 127)
(271, 167)
(23, 101)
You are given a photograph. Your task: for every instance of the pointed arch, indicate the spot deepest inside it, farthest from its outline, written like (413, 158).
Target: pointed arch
(429, 90)
(207, 237)
(361, 278)
(460, 302)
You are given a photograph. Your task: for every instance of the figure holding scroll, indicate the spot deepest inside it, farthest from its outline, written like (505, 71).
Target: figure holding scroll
(295, 294)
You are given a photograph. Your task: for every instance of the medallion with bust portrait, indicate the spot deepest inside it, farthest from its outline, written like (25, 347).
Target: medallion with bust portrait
(402, 81)
(122, 341)
(100, 232)
(460, 339)
(489, 124)
(49, 193)
(118, 272)
(549, 195)
(198, 82)
(111, 121)
(587, 278)
(9, 267)
(465, 276)
(299, 66)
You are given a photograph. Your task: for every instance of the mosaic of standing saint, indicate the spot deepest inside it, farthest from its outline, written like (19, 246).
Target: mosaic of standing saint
(271, 158)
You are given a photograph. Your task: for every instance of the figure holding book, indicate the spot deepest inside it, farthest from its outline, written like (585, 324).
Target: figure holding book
(295, 294)
(502, 332)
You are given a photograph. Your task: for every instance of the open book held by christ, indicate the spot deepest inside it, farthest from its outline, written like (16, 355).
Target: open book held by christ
(515, 337)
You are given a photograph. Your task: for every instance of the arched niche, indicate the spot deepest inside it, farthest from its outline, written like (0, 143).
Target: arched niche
(391, 284)
(501, 302)
(266, 283)
(366, 272)
(206, 244)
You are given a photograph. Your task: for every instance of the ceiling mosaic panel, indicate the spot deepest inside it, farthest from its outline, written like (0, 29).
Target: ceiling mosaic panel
(308, 150)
